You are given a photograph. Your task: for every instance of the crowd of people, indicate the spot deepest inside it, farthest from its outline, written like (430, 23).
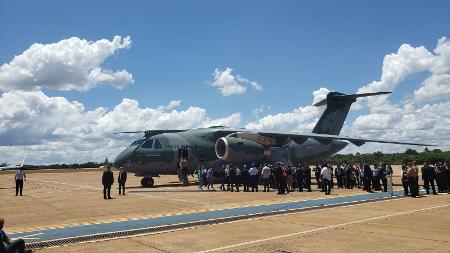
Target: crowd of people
(288, 178)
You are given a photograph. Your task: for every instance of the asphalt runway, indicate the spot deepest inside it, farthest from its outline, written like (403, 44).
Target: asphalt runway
(62, 204)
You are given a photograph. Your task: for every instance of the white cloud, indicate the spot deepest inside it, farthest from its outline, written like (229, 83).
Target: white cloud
(54, 129)
(228, 84)
(70, 64)
(172, 105)
(301, 119)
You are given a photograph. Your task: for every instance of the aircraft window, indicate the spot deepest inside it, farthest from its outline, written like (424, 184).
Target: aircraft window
(158, 144)
(137, 142)
(148, 144)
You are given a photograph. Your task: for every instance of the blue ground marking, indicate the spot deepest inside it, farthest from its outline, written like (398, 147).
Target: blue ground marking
(83, 230)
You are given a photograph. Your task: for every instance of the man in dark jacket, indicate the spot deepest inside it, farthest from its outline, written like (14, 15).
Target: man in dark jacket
(122, 179)
(107, 181)
(367, 177)
(428, 177)
(299, 177)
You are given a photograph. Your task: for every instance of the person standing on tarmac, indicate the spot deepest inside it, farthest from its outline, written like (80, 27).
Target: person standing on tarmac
(254, 177)
(326, 176)
(299, 177)
(107, 181)
(404, 177)
(428, 177)
(447, 176)
(245, 176)
(307, 177)
(265, 172)
(20, 178)
(279, 179)
(413, 179)
(122, 179)
(389, 173)
(367, 177)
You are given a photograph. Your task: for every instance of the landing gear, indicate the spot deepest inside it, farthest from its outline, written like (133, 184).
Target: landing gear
(147, 182)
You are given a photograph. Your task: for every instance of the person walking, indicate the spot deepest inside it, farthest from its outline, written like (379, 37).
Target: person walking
(20, 178)
(107, 181)
(200, 178)
(210, 178)
(428, 178)
(122, 179)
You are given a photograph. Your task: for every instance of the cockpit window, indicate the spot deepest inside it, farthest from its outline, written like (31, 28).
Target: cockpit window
(148, 144)
(137, 142)
(158, 144)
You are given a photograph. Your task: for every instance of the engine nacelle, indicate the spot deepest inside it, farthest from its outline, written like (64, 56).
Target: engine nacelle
(240, 150)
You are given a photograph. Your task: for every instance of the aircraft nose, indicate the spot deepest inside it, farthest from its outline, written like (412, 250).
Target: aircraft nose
(123, 158)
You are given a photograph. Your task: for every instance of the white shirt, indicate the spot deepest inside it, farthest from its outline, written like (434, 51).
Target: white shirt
(253, 171)
(266, 172)
(20, 174)
(326, 173)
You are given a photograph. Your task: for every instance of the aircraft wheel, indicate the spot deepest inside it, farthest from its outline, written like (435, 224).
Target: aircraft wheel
(147, 182)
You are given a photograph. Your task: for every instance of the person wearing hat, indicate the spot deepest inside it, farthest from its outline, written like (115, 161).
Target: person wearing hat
(122, 179)
(7, 246)
(107, 181)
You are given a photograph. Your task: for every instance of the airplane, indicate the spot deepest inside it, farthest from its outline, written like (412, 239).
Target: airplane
(13, 167)
(160, 151)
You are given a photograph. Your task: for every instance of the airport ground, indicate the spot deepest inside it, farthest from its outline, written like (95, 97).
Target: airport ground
(64, 198)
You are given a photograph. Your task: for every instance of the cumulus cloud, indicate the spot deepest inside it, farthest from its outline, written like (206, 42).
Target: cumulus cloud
(229, 84)
(419, 117)
(54, 129)
(172, 105)
(70, 64)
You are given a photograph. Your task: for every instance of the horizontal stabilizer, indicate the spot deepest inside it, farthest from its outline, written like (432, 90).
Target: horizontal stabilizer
(341, 96)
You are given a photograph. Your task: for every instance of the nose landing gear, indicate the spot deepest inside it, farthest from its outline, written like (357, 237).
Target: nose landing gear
(147, 182)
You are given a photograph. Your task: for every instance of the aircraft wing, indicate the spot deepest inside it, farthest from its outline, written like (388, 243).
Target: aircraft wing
(275, 139)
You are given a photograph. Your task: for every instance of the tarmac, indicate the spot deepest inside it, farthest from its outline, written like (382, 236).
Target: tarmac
(61, 201)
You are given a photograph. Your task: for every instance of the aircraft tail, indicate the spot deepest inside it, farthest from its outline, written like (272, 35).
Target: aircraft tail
(338, 105)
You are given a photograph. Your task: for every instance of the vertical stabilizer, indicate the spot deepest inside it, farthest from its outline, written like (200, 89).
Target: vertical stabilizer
(338, 105)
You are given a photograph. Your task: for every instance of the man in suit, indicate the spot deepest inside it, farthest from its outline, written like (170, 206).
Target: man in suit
(122, 179)
(367, 177)
(107, 181)
(428, 177)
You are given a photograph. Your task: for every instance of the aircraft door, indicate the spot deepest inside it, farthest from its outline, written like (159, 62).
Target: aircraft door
(279, 155)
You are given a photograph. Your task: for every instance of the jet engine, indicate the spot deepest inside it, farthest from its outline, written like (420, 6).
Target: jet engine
(240, 150)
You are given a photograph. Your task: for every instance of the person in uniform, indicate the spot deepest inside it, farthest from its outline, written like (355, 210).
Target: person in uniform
(413, 179)
(245, 178)
(428, 177)
(7, 246)
(122, 179)
(107, 181)
(20, 178)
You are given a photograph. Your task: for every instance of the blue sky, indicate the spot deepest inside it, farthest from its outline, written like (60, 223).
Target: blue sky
(291, 48)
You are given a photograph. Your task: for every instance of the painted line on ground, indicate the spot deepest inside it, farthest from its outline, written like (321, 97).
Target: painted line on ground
(320, 229)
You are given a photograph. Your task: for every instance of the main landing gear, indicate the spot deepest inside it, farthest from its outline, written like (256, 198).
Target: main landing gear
(147, 182)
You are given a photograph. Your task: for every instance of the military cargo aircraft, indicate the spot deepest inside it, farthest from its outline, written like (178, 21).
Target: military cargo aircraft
(160, 151)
